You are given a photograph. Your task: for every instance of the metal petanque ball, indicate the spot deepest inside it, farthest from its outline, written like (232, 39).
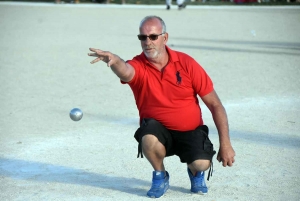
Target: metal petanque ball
(76, 114)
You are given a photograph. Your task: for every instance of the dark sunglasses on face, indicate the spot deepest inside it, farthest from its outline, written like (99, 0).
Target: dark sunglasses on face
(151, 36)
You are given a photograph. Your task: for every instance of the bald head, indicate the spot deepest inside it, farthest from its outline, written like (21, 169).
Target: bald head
(154, 18)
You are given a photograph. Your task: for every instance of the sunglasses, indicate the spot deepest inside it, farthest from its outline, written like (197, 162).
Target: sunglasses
(151, 36)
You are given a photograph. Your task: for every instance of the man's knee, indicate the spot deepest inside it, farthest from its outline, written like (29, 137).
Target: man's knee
(149, 141)
(200, 165)
(151, 144)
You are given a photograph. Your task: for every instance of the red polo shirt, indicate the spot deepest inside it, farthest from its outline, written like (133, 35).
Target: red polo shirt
(170, 96)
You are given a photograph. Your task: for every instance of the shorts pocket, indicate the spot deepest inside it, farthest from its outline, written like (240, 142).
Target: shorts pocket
(208, 146)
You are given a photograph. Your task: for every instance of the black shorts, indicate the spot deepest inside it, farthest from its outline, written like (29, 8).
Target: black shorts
(188, 145)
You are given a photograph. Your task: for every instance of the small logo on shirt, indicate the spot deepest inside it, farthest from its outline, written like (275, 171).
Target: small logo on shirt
(178, 78)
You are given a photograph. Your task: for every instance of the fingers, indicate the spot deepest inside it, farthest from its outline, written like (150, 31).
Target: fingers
(226, 156)
(98, 53)
(227, 162)
(92, 49)
(93, 54)
(95, 60)
(219, 158)
(109, 61)
(101, 56)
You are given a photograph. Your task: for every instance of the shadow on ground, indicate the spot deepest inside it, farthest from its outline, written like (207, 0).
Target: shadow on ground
(44, 172)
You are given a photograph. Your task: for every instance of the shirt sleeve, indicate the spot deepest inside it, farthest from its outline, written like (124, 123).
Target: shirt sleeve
(202, 83)
(134, 63)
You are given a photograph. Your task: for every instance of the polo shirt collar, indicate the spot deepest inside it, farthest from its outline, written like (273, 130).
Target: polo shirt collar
(172, 55)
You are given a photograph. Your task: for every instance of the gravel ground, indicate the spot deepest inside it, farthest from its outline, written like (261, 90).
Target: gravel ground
(251, 53)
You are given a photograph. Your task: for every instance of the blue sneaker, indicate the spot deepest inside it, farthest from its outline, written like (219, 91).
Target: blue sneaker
(198, 182)
(160, 184)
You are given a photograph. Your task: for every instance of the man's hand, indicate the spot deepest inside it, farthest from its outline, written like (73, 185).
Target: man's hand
(101, 56)
(226, 155)
(123, 70)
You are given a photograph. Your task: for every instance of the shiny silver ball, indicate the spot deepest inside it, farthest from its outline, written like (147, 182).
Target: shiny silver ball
(76, 114)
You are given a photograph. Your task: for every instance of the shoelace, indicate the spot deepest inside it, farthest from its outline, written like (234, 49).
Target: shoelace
(197, 182)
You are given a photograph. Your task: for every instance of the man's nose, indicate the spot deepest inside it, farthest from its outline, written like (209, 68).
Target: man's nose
(148, 41)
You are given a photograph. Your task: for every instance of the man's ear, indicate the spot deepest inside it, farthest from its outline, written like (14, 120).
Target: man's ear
(166, 37)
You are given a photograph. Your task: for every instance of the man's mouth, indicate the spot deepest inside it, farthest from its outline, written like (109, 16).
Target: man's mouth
(148, 48)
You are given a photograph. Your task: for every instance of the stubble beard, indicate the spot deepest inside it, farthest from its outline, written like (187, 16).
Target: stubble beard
(151, 55)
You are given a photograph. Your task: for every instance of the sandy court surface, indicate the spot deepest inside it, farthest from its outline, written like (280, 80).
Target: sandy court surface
(252, 54)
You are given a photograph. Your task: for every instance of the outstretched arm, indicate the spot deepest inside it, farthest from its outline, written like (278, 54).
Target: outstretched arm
(122, 69)
(226, 153)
